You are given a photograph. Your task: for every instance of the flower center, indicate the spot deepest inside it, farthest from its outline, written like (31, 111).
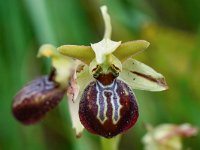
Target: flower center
(106, 79)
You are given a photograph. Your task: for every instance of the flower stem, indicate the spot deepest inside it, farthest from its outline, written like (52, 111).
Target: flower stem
(110, 144)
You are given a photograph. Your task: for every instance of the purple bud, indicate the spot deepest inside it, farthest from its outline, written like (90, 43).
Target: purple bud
(33, 101)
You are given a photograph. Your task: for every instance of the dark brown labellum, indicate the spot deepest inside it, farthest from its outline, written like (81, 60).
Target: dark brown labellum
(108, 110)
(38, 97)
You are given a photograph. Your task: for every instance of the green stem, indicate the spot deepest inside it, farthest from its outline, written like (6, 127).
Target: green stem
(110, 144)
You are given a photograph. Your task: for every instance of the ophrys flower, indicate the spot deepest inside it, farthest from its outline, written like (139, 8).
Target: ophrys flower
(108, 105)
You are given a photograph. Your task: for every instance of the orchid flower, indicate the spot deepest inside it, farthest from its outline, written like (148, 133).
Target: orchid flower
(106, 104)
(98, 81)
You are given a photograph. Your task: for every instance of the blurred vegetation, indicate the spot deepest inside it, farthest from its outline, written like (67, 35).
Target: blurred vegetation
(172, 28)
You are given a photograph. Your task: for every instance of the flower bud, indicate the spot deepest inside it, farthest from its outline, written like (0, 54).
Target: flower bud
(33, 101)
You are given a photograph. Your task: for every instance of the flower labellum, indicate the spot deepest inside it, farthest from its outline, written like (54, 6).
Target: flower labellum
(108, 107)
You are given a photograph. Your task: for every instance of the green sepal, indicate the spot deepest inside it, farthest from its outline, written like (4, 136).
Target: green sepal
(83, 53)
(128, 49)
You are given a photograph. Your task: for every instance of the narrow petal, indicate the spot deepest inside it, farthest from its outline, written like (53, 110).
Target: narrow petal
(37, 98)
(128, 49)
(77, 84)
(73, 108)
(141, 76)
(83, 53)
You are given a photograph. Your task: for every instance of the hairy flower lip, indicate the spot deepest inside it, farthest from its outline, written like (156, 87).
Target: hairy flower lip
(107, 125)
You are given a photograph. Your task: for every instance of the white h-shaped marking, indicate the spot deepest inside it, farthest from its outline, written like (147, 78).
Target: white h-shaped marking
(102, 101)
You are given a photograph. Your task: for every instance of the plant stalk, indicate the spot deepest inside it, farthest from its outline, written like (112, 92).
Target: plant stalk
(110, 144)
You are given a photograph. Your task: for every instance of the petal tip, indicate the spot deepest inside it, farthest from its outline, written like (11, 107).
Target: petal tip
(61, 49)
(147, 43)
(144, 43)
(46, 50)
(162, 82)
(78, 135)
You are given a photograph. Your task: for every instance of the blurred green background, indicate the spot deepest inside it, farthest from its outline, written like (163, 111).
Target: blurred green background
(171, 26)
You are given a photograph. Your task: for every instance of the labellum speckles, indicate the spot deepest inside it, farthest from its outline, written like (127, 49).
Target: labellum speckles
(38, 97)
(108, 106)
